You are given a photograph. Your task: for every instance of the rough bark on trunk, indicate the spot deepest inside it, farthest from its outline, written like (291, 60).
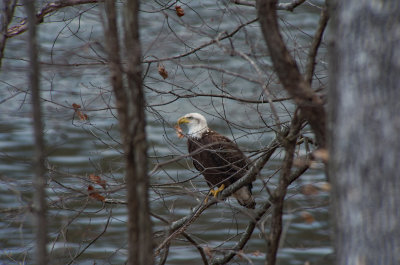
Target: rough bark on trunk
(130, 105)
(39, 182)
(364, 143)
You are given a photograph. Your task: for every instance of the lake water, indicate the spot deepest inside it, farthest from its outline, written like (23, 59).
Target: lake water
(73, 71)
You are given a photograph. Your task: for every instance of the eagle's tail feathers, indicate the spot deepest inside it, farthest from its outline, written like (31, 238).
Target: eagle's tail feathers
(244, 197)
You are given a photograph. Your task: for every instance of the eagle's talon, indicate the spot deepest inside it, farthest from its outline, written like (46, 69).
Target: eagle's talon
(215, 192)
(221, 188)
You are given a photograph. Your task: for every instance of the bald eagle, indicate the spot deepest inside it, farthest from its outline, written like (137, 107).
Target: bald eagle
(216, 157)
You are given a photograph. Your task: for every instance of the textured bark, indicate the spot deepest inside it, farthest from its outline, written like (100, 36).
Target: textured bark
(131, 116)
(140, 245)
(310, 104)
(39, 182)
(364, 145)
(277, 197)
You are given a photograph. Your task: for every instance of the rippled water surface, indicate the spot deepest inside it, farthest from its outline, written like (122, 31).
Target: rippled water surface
(73, 72)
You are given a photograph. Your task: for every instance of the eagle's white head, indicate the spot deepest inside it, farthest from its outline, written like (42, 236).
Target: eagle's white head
(196, 123)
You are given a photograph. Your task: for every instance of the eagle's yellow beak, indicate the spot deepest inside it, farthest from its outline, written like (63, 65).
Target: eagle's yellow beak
(183, 120)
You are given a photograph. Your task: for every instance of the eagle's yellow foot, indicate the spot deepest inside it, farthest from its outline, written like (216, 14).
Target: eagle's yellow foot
(215, 192)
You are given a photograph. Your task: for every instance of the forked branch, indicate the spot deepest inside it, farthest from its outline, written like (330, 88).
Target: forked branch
(310, 104)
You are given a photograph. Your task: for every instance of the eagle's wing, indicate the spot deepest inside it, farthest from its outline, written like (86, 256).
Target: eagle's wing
(227, 154)
(221, 161)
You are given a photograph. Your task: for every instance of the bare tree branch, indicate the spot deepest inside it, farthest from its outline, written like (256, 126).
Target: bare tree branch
(312, 54)
(280, 6)
(196, 245)
(213, 41)
(310, 104)
(6, 14)
(278, 196)
(253, 222)
(92, 241)
(47, 9)
(181, 225)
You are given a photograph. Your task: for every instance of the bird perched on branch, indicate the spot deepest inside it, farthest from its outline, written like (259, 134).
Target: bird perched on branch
(216, 157)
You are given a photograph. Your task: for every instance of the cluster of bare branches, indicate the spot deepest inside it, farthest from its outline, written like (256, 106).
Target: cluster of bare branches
(265, 88)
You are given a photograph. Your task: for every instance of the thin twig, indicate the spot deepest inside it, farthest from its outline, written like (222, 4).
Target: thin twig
(278, 195)
(93, 240)
(280, 6)
(181, 225)
(196, 245)
(312, 54)
(228, 35)
(311, 105)
(47, 9)
(6, 15)
(253, 222)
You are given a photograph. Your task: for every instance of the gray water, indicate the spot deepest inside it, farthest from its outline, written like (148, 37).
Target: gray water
(73, 72)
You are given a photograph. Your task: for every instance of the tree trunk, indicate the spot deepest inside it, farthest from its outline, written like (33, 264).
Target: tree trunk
(364, 143)
(140, 245)
(39, 182)
(131, 116)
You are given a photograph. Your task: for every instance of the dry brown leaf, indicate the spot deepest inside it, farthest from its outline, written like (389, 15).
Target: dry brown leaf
(321, 154)
(179, 11)
(95, 195)
(300, 162)
(179, 131)
(208, 252)
(82, 116)
(325, 186)
(76, 106)
(307, 217)
(162, 71)
(309, 189)
(98, 180)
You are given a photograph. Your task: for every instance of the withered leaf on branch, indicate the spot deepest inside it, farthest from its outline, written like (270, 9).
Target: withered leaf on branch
(82, 116)
(208, 252)
(179, 11)
(256, 253)
(307, 217)
(95, 195)
(76, 106)
(98, 180)
(321, 154)
(309, 189)
(162, 71)
(325, 186)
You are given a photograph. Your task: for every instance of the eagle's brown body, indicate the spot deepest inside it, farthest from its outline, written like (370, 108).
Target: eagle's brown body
(216, 157)
(214, 149)
(220, 161)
